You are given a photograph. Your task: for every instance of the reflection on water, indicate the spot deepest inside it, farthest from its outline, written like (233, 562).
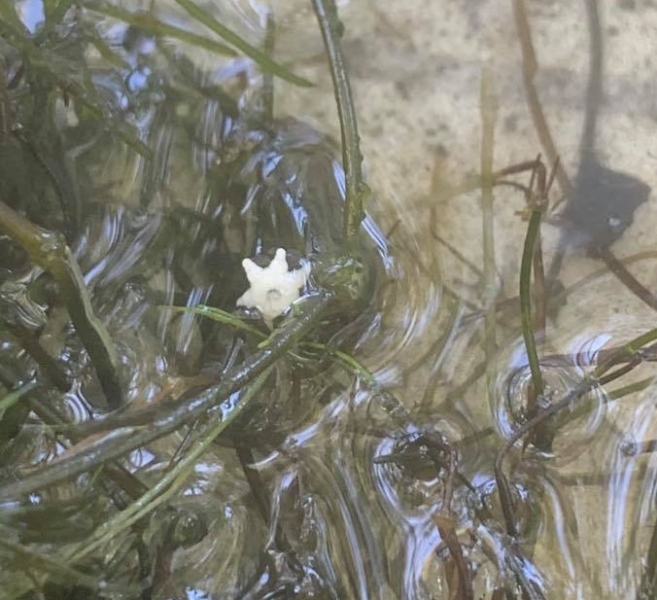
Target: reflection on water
(331, 485)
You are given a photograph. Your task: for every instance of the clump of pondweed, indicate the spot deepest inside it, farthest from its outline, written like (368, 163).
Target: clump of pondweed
(91, 94)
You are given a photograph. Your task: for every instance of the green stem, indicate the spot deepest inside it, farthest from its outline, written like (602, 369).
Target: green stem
(47, 250)
(631, 349)
(124, 432)
(627, 352)
(150, 24)
(331, 28)
(266, 63)
(174, 480)
(632, 388)
(526, 301)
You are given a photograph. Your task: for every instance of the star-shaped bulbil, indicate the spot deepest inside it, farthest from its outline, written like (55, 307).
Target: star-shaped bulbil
(274, 287)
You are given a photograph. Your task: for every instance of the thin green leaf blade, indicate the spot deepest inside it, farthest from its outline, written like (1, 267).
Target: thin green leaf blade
(12, 398)
(150, 24)
(241, 44)
(216, 314)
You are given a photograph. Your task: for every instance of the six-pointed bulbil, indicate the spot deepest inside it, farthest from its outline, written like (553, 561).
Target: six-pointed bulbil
(274, 287)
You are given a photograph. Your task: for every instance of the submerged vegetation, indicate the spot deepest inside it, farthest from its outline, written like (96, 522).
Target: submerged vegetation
(158, 441)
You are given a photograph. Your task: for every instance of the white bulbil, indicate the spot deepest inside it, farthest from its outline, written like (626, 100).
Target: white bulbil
(274, 287)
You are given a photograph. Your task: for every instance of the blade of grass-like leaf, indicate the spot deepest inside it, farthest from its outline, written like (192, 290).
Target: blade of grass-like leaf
(525, 301)
(242, 45)
(632, 388)
(150, 24)
(216, 314)
(13, 397)
(356, 190)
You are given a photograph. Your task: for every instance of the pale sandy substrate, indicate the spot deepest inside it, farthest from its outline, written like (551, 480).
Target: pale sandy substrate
(416, 71)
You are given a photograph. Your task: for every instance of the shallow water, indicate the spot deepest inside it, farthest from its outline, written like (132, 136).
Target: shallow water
(359, 483)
